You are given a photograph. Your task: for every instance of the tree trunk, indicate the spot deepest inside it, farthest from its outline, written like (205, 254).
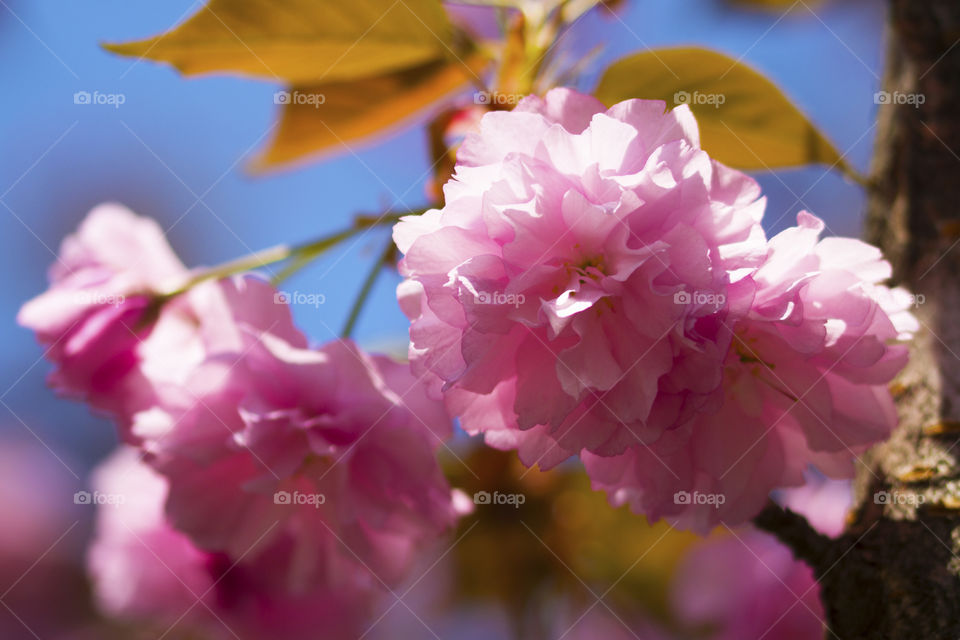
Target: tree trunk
(894, 573)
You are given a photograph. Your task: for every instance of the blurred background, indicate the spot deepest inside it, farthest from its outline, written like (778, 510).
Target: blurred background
(177, 150)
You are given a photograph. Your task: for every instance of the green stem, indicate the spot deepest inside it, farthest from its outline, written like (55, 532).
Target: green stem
(304, 254)
(297, 263)
(366, 289)
(301, 253)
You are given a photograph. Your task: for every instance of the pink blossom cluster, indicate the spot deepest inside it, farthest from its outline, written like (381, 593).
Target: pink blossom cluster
(736, 584)
(144, 569)
(272, 486)
(594, 286)
(597, 286)
(745, 584)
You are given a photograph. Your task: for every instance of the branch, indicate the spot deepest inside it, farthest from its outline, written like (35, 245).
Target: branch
(895, 571)
(793, 530)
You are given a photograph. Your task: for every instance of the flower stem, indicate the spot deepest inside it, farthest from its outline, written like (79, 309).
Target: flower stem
(300, 253)
(367, 287)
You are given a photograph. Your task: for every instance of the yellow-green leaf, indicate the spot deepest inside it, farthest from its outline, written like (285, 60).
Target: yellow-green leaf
(302, 41)
(745, 120)
(332, 114)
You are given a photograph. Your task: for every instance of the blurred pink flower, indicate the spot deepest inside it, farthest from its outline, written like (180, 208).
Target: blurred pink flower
(573, 292)
(40, 540)
(211, 323)
(99, 303)
(745, 586)
(114, 345)
(145, 571)
(600, 622)
(805, 383)
(328, 454)
(35, 490)
(824, 502)
(332, 447)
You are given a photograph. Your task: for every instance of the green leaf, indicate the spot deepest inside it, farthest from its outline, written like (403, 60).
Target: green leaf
(326, 116)
(745, 120)
(302, 41)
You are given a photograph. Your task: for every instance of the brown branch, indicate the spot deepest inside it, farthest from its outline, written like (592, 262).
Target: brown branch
(894, 573)
(793, 530)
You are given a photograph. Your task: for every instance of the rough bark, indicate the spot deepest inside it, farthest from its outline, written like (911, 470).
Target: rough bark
(894, 573)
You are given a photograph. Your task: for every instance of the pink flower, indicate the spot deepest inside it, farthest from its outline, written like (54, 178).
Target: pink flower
(115, 343)
(596, 285)
(600, 622)
(331, 447)
(100, 303)
(805, 382)
(212, 322)
(222, 394)
(822, 501)
(744, 585)
(573, 292)
(39, 540)
(34, 485)
(143, 570)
